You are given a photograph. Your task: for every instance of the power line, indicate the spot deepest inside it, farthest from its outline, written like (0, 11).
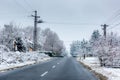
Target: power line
(69, 23)
(28, 4)
(20, 5)
(113, 17)
(116, 25)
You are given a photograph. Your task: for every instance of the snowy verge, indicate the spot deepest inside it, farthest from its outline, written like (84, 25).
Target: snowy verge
(12, 60)
(93, 62)
(13, 66)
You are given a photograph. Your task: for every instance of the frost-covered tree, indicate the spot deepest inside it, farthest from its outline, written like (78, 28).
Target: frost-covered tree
(52, 42)
(80, 48)
(94, 41)
(84, 46)
(20, 45)
(47, 39)
(108, 49)
(8, 35)
(95, 35)
(75, 48)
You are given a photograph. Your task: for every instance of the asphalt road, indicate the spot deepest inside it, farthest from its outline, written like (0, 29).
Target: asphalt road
(56, 69)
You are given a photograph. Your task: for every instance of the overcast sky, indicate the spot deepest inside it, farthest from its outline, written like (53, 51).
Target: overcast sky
(70, 19)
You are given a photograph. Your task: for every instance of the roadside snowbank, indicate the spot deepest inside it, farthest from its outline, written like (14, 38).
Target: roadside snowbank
(19, 57)
(13, 66)
(93, 62)
(11, 60)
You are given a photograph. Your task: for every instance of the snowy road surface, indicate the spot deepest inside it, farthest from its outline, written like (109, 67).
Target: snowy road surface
(56, 69)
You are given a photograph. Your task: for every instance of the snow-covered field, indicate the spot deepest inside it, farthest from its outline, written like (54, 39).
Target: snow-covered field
(11, 60)
(93, 62)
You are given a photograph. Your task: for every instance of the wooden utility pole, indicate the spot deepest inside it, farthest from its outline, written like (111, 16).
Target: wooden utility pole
(35, 29)
(104, 29)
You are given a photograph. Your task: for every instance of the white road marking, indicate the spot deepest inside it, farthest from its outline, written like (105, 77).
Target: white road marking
(44, 74)
(53, 66)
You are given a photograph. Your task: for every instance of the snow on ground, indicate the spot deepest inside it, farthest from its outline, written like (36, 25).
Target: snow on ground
(5, 67)
(93, 62)
(10, 60)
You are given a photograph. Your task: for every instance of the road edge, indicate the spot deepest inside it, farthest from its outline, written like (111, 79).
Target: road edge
(99, 75)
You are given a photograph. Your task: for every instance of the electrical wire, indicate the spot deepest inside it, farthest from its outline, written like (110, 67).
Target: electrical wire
(116, 25)
(69, 23)
(113, 17)
(20, 5)
(29, 5)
